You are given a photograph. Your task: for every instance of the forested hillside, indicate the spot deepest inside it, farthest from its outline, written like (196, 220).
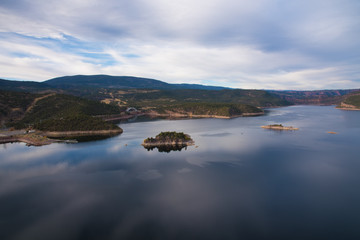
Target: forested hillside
(210, 109)
(119, 82)
(13, 105)
(56, 112)
(157, 98)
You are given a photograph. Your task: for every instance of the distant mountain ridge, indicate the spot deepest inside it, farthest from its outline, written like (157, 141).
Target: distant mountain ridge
(23, 86)
(315, 97)
(121, 82)
(92, 86)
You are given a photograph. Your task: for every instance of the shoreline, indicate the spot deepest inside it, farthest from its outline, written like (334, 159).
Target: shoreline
(154, 114)
(181, 115)
(348, 109)
(30, 140)
(119, 117)
(81, 133)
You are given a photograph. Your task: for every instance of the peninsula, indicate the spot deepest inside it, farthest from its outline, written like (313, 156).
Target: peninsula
(279, 127)
(31, 139)
(352, 102)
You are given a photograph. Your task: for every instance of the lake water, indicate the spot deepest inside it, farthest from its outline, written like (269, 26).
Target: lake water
(239, 182)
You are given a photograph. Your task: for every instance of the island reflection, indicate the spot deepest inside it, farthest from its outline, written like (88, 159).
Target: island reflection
(166, 148)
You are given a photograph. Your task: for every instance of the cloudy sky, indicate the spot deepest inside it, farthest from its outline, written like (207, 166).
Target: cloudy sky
(263, 44)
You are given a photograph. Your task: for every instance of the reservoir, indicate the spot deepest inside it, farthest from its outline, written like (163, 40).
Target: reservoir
(239, 181)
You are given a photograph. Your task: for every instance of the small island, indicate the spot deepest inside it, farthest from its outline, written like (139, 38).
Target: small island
(169, 139)
(279, 127)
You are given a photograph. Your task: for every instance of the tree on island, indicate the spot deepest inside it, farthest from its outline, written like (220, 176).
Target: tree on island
(169, 137)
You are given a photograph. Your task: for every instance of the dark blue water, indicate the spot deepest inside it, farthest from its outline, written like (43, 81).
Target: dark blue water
(239, 182)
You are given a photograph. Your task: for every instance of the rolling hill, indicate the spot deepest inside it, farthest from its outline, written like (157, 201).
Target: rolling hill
(145, 92)
(24, 86)
(120, 82)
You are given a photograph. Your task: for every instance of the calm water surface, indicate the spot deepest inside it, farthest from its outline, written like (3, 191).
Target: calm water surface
(241, 182)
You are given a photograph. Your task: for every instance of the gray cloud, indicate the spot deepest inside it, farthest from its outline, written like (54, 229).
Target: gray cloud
(264, 43)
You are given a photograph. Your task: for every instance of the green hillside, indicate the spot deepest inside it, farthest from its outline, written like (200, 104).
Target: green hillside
(58, 112)
(60, 105)
(14, 104)
(78, 122)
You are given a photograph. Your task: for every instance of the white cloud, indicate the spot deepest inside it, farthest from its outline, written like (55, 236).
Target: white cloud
(307, 79)
(22, 25)
(37, 62)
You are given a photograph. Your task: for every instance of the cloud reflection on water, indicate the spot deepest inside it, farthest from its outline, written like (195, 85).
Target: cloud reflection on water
(150, 175)
(251, 185)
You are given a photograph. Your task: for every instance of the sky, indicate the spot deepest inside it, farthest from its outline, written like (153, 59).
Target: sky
(257, 44)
